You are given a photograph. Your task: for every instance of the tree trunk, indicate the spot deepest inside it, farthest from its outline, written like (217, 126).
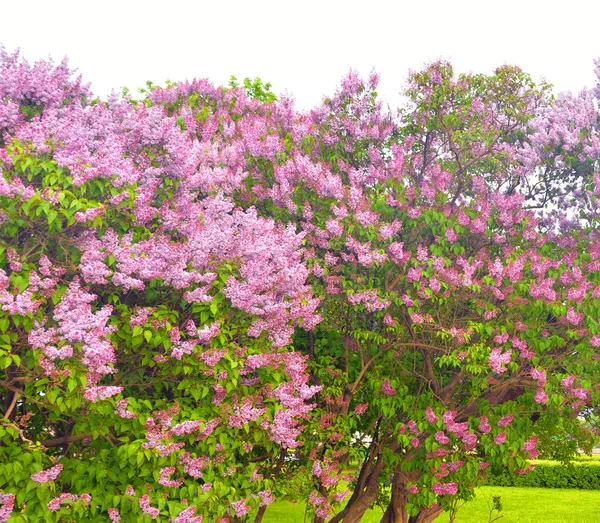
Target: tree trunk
(260, 514)
(396, 510)
(365, 493)
(357, 506)
(280, 462)
(426, 515)
(367, 485)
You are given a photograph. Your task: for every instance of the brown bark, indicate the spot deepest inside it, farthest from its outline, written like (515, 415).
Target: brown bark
(367, 486)
(365, 494)
(426, 515)
(65, 440)
(280, 462)
(363, 503)
(260, 514)
(396, 510)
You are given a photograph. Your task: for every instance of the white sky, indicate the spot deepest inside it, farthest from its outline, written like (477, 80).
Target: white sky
(304, 47)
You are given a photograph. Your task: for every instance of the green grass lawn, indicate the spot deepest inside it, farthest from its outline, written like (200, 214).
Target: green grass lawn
(522, 505)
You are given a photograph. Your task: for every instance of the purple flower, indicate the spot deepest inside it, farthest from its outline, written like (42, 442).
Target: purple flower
(361, 408)
(47, 475)
(387, 389)
(241, 508)
(430, 415)
(484, 425)
(500, 438)
(441, 437)
(505, 421)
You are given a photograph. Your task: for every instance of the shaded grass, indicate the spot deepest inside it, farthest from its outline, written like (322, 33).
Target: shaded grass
(520, 505)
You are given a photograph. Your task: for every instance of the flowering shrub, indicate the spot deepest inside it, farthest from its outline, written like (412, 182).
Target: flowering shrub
(145, 318)
(199, 284)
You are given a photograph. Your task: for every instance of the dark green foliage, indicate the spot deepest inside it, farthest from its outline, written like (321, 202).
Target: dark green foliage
(584, 476)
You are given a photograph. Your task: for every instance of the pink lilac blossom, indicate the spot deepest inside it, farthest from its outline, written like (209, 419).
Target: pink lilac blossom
(469, 441)
(7, 504)
(369, 299)
(448, 417)
(484, 425)
(505, 421)
(430, 415)
(55, 503)
(47, 475)
(500, 438)
(445, 488)
(530, 447)
(539, 375)
(441, 437)
(122, 411)
(498, 358)
(340, 496)
(187, 516)
(541, 396)
(144, 502)
(186, 427)
(164, 478)
(523, 472)
(416, 318)
(388, 320)
(573, 317)
(387, 389)
(95, 394)
(361, 408)
(241, 508)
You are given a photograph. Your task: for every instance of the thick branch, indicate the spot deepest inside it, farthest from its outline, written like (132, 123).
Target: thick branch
(8, 412)
(65, 440)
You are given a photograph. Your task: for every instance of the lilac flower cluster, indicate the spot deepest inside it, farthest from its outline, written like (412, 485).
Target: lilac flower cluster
(144, 502)
(7, 504)
(47, 475)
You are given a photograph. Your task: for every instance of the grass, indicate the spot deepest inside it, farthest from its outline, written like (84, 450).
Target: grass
(520, 505)
(533, 505)
(288, 512)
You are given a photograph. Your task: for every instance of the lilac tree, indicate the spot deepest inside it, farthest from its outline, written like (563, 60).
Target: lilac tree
(459, 321)
(196, 285)
(144, 316)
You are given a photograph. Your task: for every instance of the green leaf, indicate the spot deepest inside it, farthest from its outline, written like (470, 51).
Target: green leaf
(214, 307)
(52, 215)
